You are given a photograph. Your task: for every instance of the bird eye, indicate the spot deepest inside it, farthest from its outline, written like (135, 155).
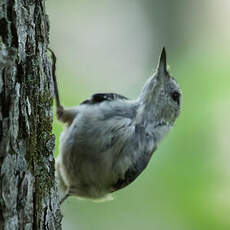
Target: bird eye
(176, 97)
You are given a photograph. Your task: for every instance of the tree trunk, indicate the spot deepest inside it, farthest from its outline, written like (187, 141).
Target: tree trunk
(28, 194)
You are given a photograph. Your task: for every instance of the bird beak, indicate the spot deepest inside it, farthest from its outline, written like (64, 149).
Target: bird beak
(162, 64)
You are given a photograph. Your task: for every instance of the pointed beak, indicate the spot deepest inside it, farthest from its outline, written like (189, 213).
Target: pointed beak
(162, 64)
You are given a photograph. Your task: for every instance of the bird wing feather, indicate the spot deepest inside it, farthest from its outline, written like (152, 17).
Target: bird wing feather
(101, 97)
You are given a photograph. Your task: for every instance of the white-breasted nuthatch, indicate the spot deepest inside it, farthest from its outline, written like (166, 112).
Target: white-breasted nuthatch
(109, 139)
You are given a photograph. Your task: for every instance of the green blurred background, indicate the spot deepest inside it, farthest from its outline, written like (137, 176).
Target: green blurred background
(113, 46)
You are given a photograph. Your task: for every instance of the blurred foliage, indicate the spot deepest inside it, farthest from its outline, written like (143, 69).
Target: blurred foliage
(186, 185)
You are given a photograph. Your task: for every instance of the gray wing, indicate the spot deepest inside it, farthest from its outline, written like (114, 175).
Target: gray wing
(133, 172)
(100, 97)
(140, 163)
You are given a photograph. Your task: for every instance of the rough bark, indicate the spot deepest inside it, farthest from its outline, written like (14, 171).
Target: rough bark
(28, 194)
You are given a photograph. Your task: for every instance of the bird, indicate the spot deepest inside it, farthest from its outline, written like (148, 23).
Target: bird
(109, 139)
